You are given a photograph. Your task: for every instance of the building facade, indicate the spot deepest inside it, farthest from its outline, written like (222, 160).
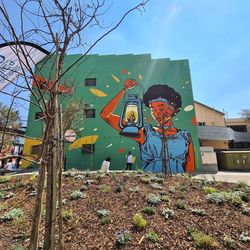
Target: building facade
(133, 103)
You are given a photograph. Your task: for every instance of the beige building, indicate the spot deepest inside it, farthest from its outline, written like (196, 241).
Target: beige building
(238, 124)
(211, 125)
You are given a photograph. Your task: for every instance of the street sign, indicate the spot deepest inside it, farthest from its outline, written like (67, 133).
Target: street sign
(69, 135)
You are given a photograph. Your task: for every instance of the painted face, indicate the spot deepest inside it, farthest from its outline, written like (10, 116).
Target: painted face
(161, 111)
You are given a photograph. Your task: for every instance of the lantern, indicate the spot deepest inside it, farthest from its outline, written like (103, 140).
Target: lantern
(131, 120)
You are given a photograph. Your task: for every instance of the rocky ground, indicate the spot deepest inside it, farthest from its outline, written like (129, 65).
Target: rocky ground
(133, 210)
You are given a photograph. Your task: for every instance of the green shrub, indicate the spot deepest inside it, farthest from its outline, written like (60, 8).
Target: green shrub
(154, 199)
(209, 190)
(229, 242)
(152, 236)
(77, 195)
(3, 206)
(200, 212)
(105, 188)
(167, 213)
(139, 221)
(148, 210)
(13, 214)
(241, 184)
(103, 212)
(67, 214)
(122, 238)
(106, 220)
(203, 240)
(180, 204)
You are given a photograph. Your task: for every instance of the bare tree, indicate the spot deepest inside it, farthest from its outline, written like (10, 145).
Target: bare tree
(58, 26)
(245, 113)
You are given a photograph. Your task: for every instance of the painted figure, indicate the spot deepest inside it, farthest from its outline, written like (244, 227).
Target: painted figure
(163, 143)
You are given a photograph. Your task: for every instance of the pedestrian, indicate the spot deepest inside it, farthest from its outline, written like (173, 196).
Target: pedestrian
(19, 158)
(130, 161)
(9, 166)
(105, 165)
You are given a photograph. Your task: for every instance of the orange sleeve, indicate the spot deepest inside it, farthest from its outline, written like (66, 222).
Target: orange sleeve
(190, 163)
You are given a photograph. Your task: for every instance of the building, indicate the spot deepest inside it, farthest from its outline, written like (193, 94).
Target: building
(97, 81)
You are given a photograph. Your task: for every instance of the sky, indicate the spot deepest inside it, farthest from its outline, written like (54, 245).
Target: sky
(213, 35)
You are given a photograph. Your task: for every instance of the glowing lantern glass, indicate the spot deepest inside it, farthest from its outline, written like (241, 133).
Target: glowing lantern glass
(131, 120)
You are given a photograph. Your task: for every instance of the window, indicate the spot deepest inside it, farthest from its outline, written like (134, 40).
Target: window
(39, 115)
(36, 149)
(88, 148)
(90, 82)
(89, 113)
(201, 123)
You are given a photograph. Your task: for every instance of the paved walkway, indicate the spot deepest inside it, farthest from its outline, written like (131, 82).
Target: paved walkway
(224, 176)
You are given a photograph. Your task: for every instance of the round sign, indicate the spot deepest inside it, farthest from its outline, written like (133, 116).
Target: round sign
(70, 135)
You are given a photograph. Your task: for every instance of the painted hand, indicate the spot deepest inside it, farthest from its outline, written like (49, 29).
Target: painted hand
(130, 83)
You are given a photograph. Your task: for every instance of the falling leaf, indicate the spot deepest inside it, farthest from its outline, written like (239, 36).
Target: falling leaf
(109, 145)
(97, 92)
(189, 108)
(90, 139)
(95, 129)
(80, 129)
(124, 71)
(122, 141)
(133, 148)
(140, 77)
(129, 73)
(176, 119)
(115, 78)
(107, 86)
(186, 82)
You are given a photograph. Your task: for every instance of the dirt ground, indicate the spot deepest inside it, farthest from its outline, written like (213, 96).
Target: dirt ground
(124, 194)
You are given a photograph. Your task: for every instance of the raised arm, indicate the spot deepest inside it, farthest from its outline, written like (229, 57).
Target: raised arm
(107, 112)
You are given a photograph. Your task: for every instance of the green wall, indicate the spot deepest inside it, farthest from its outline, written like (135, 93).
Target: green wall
(147, 72)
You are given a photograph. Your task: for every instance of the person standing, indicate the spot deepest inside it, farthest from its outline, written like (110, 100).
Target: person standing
(129, 162)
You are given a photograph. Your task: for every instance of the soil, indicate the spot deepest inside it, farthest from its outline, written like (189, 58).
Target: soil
(125, 194)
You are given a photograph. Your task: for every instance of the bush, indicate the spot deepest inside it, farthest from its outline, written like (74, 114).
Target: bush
(154, 199)
(139, 221)
(67, 214)
(241, 184)
(167, 213)
(122, 238)
(200, 212)
(148, 210)
(104, 215)
(105, 188)
(229, 242)
(209, 190)
(203, 240)
(165, 198)
(180, 204)
(15, 213)
(77, 195)
(152, 236)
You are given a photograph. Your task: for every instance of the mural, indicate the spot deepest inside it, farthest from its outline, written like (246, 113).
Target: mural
(163, 148)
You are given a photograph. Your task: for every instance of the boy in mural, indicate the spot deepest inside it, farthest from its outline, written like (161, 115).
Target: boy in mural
(164, 103)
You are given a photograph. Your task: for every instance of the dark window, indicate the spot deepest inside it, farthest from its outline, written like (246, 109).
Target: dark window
(239, 128)
(36, 149)
(90, 82)
(88, 148)
(89, 113)
(39, 115)
(201, 123)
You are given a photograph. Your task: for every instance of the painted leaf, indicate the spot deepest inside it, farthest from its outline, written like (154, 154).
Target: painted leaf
(90, 139)
(115, 78)
(140, 76)
(189, 108)
(97, 92)
(109, 145)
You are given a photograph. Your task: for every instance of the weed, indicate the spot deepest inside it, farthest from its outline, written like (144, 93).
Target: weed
(33, 178)
(122, 238)
(139, 221)
(200, 212)
(106, 220)
(13, 214)
(229, 242)
(244, 238)
(4, 179)
(156, 186)
(75, 195)
(139, 171)
(67, 214)
(118, 188)
(148, 210)
(134, 189)
(241, 184)
(17, 247)
(105, 188)
(152, 237)
(246, 211)
(180, 204)
(248, 223)
(165, 198)
(203, 240)
(167, 213)
(156, 179)
(104, 215)
(3, 206)
(83, 188)
(209, 190)
(145, 180)
(154, 199)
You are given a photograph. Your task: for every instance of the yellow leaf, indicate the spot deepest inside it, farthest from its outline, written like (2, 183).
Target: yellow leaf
(97, 92)
(90, 139)
(115, 78)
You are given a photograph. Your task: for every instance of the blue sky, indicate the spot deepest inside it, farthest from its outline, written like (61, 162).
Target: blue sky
(213, 34)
